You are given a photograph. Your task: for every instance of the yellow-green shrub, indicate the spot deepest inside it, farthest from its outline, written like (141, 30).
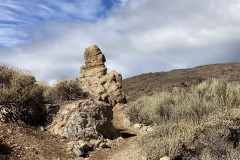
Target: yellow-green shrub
(181, 104)
(182, 118)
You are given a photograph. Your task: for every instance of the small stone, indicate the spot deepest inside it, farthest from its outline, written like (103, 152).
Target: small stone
(78, 151)
(137, 125)
(103, 145)
(109, 142)
(76, 146)
(84, 144)
(71, 145)
(165, 158)
(9, 131)
(149, 129)
(18, 147)
(144, 128)
(42, 128)
(119, 139)
(97, 143)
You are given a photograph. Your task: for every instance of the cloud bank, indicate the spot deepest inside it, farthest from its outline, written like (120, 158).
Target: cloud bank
(136, 36)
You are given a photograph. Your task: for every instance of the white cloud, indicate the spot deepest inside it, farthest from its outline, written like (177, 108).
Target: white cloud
(136, 37)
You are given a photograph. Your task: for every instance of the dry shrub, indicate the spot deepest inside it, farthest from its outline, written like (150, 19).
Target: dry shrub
(180, 104)
(24, 99)
(64, 91)
(167, 139)
(190, 123)
(216, 137)
(19, 90)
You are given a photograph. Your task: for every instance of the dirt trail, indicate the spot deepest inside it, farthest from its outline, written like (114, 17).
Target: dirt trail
(19, 141)
(127, 149)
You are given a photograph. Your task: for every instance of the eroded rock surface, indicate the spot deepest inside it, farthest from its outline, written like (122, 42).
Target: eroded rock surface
(84, 123)
(83, 119)
(95, 80)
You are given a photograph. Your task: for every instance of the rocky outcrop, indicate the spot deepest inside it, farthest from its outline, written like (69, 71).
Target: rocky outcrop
(94, 58)
(85, 124)
(83, 119)
(95, 80)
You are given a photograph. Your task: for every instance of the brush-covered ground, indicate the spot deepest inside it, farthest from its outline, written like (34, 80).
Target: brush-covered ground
(200, 123)
(193, 115)
(23, 110)
(149, 83)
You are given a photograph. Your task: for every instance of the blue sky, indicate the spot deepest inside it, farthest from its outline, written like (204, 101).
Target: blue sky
(49, 37)
(18, 16)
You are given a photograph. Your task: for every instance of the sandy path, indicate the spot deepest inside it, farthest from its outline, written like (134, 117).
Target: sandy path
(127, 149)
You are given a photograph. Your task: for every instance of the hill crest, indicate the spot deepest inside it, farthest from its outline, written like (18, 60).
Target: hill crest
(148, 83)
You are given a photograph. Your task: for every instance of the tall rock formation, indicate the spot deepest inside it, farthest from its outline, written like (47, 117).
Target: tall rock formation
(85, 123)
(95, 80)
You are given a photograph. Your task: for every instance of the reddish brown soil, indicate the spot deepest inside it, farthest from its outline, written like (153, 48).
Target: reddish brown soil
(160, 81)
(30, 143)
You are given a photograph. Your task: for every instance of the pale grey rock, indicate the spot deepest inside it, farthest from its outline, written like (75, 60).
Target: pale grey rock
(86, 119)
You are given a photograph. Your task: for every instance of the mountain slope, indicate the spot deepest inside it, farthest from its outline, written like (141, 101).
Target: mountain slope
(151, 82)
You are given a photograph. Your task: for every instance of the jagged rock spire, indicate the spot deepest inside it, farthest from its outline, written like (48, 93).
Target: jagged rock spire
(93, 57)
(97, 82)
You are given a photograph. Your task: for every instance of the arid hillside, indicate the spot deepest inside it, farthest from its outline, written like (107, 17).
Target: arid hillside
(149, 83)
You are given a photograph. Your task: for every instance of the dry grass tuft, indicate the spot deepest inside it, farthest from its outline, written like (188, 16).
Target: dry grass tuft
(185, 119)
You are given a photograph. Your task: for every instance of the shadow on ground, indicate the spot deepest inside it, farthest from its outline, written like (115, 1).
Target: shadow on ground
(4, 150)
(125, 134)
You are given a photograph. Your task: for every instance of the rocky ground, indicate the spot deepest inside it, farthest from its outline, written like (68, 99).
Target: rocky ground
(29, 143)
(82, 125)
(18, 141)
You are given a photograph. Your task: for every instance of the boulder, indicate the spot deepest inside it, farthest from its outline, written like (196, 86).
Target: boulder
(83, 123)
(95, 80)
(84, 119)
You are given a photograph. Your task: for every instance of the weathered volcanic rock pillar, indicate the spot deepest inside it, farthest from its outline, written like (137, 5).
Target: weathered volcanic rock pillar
(85, 122)
(95, 80)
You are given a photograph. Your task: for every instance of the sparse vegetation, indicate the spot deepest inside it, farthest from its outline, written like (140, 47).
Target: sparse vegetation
(63, 91)
(21, 96)
(25, 98)
(182, 116)
(149, 83)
